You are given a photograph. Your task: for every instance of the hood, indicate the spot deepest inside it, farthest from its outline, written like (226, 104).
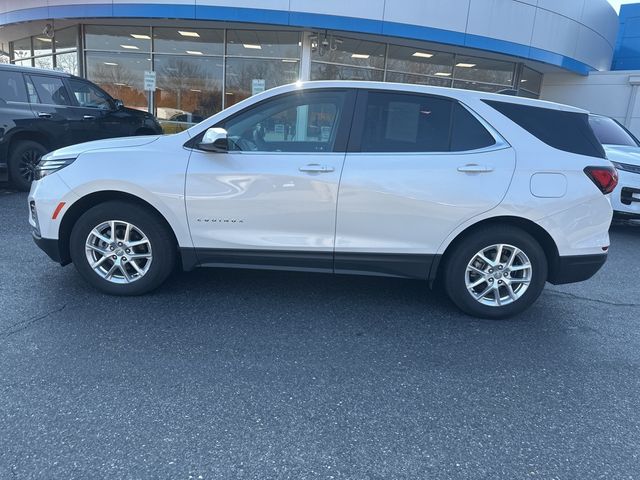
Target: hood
(74, 151)
(623, 154)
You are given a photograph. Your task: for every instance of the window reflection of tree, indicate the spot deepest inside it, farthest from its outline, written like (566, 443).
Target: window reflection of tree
(119, 82)
(188, 87)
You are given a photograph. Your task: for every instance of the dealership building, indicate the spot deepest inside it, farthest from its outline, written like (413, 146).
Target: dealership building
(209, 54)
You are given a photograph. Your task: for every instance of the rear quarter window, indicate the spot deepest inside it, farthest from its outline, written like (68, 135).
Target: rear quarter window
(566, 131)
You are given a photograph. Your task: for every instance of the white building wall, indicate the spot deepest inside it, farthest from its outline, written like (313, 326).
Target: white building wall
(579, 30)
(604, 93)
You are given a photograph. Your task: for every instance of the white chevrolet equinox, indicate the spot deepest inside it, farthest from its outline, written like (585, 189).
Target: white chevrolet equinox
(491, 195)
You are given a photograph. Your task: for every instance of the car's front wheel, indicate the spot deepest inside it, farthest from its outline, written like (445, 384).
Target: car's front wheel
(496, 272)
(122, 248)
(23, 158)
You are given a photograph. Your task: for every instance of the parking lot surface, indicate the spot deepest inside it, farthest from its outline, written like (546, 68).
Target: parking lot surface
(267, 375)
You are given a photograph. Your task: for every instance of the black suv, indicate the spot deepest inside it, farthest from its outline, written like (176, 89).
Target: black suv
(42, 110)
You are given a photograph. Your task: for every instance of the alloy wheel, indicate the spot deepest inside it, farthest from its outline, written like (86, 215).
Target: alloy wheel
(28, 162)
(118, 251)
(498, 275)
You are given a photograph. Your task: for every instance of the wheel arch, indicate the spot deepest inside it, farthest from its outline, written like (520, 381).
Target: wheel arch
(91, 200)
(33, 136)
(543, 237)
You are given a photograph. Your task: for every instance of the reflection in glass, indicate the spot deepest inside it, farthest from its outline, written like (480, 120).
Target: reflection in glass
(114, 38)
(121, 75)
(192, 41)
(66, 39)
(44, 62)
(189, 89)
(23, 63)
(329, 71)
(479, 86)
(350, 51)
(22, 48)
(531, 81)
(245, 76)
(42, 45)
(484, 70)
(418, 79)
(67, 62)
(271, 44)
(419, 61)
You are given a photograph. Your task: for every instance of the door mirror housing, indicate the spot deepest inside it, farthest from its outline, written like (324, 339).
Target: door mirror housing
(118, 104)
(215, 140)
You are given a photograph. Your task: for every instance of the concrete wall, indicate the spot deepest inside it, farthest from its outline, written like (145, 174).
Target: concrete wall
(604, 93)
(578, 35)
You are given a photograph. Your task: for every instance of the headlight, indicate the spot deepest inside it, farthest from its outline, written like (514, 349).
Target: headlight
(49, 166)
(626, 167)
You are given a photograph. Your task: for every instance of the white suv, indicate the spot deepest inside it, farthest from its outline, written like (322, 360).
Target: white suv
(492, 195)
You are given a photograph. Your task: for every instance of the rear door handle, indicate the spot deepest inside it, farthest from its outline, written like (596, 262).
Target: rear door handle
(44, 115)
(475, 168)
(88, 117)
(316, 168)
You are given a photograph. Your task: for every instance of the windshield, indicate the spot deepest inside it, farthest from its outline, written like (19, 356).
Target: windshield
(610, 132)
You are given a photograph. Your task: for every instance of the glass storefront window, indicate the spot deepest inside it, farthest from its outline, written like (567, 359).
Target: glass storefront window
(22, 48)
(114, 38)
(269, 44)
(475, 70)
(66, 39)
(349, 51)
(42, 45)
(531, 81)
(68, 62)
(189, 89)
(330, 71)
(121, 75)
(247, 76)
(418, 79)
(347, 59)
(479, 86)
(420, 62)
(189, 41)
(44, 62)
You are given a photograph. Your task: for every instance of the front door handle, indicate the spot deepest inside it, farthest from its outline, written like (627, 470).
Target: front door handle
(44, 115)
(88, 117)
(316, 168)
(475, 168)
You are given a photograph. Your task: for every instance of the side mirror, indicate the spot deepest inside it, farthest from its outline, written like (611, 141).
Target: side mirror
(215, 140)
(118, 104)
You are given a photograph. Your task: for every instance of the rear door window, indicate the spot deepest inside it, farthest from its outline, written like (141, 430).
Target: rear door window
(406, 122)
(12, 87)
(51, 90)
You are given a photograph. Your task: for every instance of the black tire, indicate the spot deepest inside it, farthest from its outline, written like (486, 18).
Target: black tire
(465, 250)
(23, 158)
(162, 245)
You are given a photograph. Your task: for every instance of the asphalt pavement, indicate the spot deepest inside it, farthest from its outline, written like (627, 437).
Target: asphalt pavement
(225, 374)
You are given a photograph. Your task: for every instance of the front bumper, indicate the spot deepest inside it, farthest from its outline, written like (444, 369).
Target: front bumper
(50, 246)
(575, 268)
(625, 199)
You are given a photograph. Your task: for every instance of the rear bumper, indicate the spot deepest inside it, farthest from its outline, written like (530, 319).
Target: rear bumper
(577, 268)
(49, 246)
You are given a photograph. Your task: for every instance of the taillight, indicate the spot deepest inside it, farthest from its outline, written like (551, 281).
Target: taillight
(605, 178)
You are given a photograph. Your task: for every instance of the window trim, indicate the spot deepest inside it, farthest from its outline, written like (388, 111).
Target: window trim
(355, 141)
(342, 134)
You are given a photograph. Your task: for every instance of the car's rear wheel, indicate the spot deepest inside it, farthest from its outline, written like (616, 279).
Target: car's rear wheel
(496, 272)
(23, 158)
(122, 248)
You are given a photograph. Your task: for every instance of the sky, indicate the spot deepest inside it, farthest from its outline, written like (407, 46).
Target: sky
(616, 3)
